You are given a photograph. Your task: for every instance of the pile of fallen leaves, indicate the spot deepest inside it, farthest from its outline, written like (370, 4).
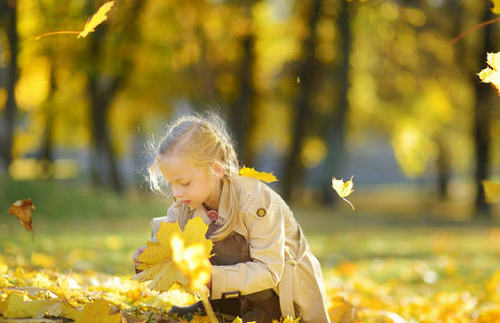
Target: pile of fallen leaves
(91, 297)
(419, 291)
(352, 297)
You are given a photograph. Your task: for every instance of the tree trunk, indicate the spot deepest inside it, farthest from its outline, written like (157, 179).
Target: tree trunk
(336, 130)
(102, 89)
(443, 169)
(103, 149)
(9, 21)
(46, 154)
(242, 112)
(101, 92)
(307, 72)
(481, 119)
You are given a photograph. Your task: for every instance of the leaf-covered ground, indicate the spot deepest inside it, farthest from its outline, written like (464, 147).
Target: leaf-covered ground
(403, 268)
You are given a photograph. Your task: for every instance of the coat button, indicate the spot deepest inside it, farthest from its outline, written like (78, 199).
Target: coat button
(261, 212)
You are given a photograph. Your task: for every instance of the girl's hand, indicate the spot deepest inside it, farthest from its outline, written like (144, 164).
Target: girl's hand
(136, 258)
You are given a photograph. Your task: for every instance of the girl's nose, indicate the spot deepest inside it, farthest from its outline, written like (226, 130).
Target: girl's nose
(176, 192)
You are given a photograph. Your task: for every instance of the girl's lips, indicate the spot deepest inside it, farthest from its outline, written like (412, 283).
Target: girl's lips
(186, 202)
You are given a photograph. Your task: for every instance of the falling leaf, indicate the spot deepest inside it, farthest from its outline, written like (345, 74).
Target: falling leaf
(298, 79)
(491, 74)
(21, 209)
(491, 191)
(158, 260)
(95, 20)
(343, 189)
(251, 172)
(496, 6)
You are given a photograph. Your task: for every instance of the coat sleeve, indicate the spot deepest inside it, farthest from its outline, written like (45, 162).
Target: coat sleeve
(171, 217)
(266, 236)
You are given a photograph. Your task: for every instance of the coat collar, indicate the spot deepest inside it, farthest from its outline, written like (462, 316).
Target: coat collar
(228, 210)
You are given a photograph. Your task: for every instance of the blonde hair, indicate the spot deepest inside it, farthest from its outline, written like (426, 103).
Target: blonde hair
(201, 140)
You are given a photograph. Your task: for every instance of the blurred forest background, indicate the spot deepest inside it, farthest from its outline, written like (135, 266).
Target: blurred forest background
(310, 89)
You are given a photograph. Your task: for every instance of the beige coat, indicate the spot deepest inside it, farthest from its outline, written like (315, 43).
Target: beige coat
(281, 256)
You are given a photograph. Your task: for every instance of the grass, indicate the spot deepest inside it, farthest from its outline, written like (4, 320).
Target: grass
(81, 227)
(78, 228)
(398, 253)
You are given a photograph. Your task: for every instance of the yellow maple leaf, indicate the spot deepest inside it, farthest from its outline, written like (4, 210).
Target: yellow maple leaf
(287, 319)
(99, 311)
(496, 6)
(491, 74)
(491, 191)
(157, 261)
(16, 307)
(192, 261)
(95, 20)
(19, 306)
(341, 310)
(251, 172)
(343, 189)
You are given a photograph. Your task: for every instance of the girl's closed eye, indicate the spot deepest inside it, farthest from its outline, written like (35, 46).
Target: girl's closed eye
(186, 183)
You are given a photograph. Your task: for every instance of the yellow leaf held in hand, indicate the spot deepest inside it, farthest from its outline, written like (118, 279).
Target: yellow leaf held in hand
(158, 263)
(343, 189)
(95, 20)
(251, 172)
(491, 74)
(491, 191)
(192, 261)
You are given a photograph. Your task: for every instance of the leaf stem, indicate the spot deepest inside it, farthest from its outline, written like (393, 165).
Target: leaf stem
(208, 308)
(468, 31)
(348, 202)
(56, 33)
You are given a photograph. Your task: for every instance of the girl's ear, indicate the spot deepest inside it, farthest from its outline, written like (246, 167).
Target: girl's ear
(218, 170)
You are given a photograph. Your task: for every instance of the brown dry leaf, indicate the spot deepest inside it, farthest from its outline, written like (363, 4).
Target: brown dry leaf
(21, 209)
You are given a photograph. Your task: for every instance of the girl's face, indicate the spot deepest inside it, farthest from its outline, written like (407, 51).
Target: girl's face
(192, 184)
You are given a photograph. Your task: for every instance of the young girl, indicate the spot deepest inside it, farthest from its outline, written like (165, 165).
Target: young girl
(262, 266)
